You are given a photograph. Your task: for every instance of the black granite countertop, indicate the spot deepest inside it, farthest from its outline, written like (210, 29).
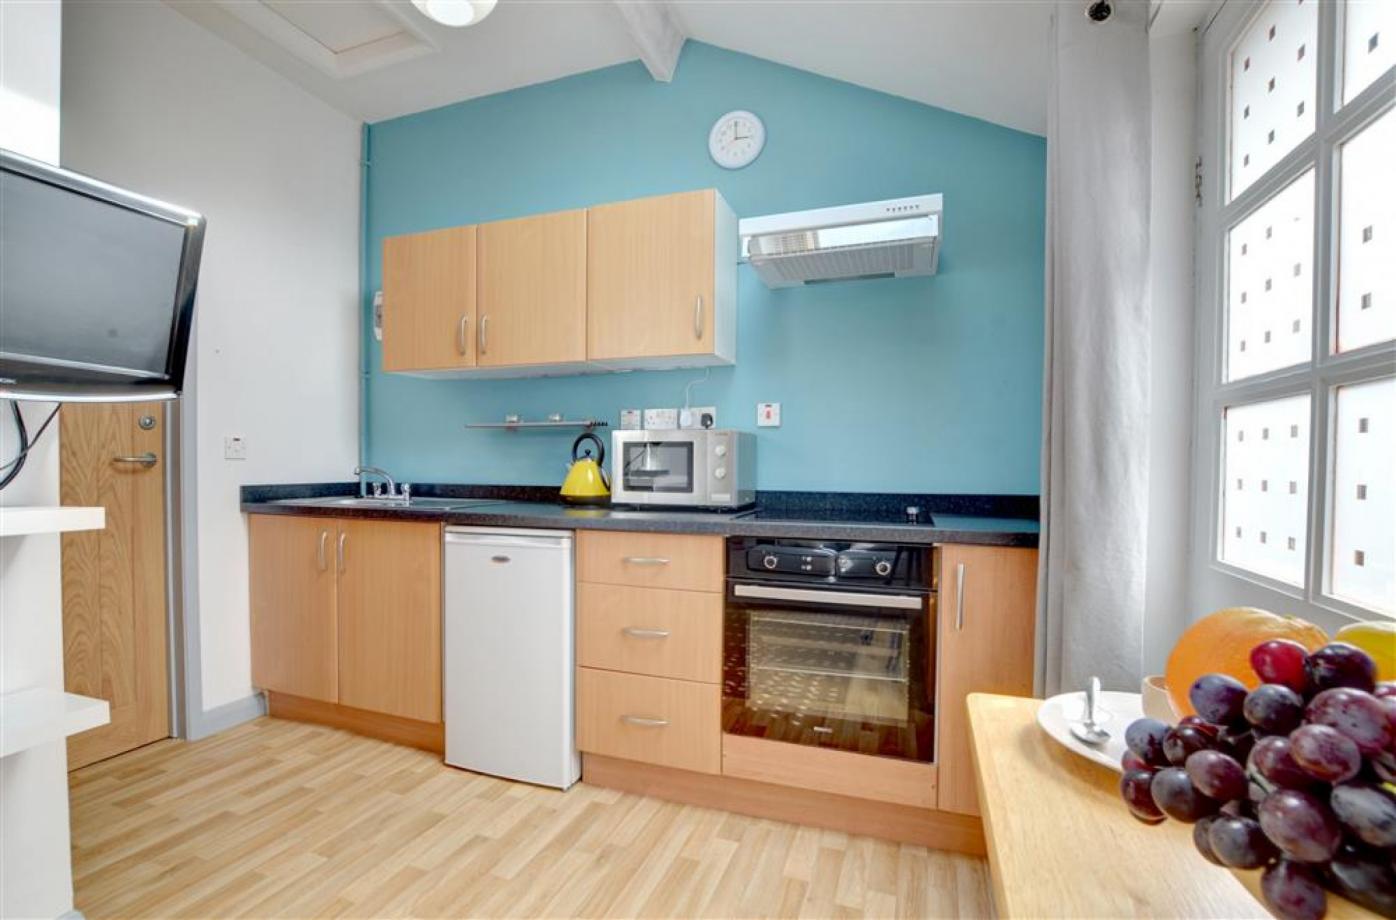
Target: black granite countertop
(854, 516)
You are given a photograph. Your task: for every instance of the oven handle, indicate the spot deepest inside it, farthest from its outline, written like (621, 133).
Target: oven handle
(831, 598)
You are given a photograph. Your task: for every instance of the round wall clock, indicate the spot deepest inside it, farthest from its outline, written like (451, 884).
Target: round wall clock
(736, 139)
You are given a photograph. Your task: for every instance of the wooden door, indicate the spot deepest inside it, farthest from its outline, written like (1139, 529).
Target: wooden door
(650, 276)
(295, 644)
(986, 646)
(429, 300)
(114, 629)
(390, 618)
(533, 291)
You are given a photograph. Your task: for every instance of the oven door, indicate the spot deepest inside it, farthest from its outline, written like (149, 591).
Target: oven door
(653, 468)
(830, 668)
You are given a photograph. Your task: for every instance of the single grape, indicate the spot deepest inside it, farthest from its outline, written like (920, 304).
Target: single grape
(1292, 891)
(1274, 709)
(1240, 843)
(1134, 789)
(1236, 742)
(1145, 738)
(1176, 796)
(1201, 724)
(1201, 838)
(1384, 766)
(1388, 706)
(1341, 665)
(1325, 753)
(1218, 698)
(1300, 825)
(1132, 761)
(1359, 715)
(1281, 661)
(1368, 811)
(1364, 877)
(1271, 759)
(1181, 742)
(1216, 775)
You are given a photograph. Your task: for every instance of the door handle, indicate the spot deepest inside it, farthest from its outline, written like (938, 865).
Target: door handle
(959, 597)
(644, 721)
(640, 632)
(480, 330)
(645, 560)
(461, 344)
(147, 459)
(339, 555)
(698, 317)
(324, 537)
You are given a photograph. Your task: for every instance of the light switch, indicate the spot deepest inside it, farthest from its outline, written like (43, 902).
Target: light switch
(234, 448)
(768, 415)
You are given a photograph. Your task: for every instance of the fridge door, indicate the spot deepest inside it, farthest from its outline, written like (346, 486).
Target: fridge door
(508, 648)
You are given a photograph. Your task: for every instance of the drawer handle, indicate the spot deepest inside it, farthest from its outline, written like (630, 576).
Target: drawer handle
(501, 559)
(646, 560)
(640, 632)
(959, 597)
(644, 721)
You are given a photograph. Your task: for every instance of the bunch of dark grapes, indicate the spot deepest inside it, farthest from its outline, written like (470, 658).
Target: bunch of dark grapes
(1296, 777)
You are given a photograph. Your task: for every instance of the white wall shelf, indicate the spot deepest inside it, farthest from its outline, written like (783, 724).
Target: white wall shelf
(22, 520)
(29, 718)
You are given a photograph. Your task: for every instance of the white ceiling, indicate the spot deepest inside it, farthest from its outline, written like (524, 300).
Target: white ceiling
(986, 58)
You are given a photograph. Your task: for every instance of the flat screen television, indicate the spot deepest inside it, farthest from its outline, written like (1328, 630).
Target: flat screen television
(96, 287)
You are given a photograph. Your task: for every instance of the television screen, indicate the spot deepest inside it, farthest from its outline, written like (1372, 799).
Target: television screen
(96, 287)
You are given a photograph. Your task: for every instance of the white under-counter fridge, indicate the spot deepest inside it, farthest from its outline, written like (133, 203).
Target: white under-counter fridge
(508, 663)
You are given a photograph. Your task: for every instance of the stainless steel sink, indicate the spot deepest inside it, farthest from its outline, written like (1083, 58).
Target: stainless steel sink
(416, 502)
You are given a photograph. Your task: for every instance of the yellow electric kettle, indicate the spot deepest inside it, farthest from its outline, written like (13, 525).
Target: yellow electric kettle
(586, 482)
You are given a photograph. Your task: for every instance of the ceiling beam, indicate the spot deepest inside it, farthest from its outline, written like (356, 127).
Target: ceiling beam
(657, 34)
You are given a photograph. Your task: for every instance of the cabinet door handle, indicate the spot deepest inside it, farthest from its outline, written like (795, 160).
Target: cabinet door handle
(640, 632)
(645, 560)
(147, 459)
(343, 536)
(480, 329)
(461, 342)
(644, 721)
(324, 537)
(698, 317)
(959, 597)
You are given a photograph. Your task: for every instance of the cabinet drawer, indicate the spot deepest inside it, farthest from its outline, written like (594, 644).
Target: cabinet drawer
(650, 560)
(650, 631)
(674, 723)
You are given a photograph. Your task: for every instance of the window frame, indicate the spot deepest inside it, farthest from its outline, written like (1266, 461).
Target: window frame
(1216, 582)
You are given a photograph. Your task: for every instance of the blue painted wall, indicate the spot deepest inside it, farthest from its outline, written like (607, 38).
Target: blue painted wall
(926, 384)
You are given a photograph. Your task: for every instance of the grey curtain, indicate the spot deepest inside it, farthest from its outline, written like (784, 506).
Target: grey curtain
(1095, 450)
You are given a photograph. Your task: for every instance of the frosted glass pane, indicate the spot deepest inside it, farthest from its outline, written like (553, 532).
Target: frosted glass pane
(1269, 289)
(1272, 88)
(1367, 237)
(1363, 565)
(1369, 43)
(1266, 496)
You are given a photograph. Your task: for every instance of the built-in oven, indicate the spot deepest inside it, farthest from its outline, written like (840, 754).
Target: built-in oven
(703, 468)
(830, 644)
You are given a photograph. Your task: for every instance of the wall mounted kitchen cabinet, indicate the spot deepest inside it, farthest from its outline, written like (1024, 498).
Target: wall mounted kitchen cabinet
(661, 282)
(649, 283)
(429, 300)
(348, 612)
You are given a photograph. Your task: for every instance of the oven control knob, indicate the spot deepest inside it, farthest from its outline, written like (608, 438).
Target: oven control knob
(882, 567)
(720, 450)
(770, 562)
(720, 473)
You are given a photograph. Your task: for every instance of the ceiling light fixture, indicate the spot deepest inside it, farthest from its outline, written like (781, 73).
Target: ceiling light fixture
(455, 13)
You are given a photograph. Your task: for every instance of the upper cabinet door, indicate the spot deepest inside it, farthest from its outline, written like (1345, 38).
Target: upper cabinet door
(533, 290)
(650, 277)
(987, 613)
(429, 300)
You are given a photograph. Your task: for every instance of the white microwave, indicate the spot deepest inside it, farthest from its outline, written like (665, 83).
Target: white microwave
(700, 468)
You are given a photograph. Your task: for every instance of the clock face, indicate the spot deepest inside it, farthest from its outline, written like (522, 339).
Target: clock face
(736, 139)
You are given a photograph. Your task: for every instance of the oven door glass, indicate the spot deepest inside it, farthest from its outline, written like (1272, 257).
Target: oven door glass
(658, 466)
(853, 678)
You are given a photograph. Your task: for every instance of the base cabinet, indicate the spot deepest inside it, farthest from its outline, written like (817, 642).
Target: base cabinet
(348, 612)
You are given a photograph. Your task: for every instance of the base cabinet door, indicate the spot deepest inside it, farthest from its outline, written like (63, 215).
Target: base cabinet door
(986, 637)
(294, 634)
(390, 617)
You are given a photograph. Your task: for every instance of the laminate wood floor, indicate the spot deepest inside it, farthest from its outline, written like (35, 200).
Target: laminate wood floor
(283, 819)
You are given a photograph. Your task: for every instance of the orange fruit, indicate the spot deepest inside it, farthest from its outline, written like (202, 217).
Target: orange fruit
(1221, 643)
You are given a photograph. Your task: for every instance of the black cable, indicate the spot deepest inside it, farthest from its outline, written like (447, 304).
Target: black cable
(25, 444)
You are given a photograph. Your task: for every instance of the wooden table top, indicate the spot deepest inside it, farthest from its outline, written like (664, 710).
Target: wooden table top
(1061, 843)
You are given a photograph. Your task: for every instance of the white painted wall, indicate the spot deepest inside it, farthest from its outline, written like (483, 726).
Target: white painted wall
(156, 103)
(35, 872)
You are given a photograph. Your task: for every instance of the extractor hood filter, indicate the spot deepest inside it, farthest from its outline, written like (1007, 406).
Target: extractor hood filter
(880, 239)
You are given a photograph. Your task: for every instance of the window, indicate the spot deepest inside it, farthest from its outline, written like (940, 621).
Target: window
(1296, 411)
